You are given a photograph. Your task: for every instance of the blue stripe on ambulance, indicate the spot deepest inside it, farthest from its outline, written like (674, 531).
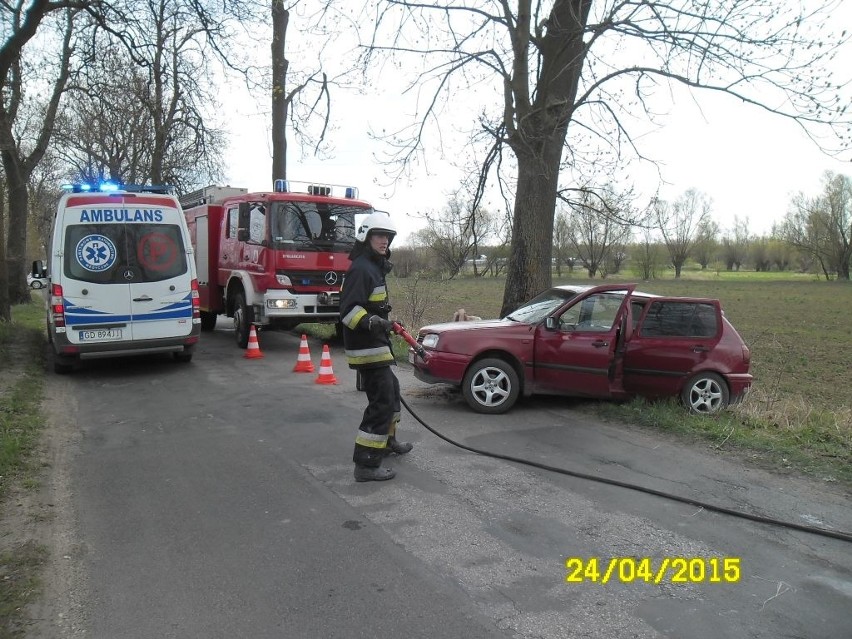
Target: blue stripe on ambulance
(89, 316)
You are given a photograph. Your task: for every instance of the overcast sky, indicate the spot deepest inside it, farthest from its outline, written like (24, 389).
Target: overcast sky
(749, 162)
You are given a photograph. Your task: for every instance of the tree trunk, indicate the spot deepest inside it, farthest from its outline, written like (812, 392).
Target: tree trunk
(5, 307)
(528, 272)
(16, 244)
(280, 103)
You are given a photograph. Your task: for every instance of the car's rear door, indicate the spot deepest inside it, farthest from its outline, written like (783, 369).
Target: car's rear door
(673, 338)
(576, 356)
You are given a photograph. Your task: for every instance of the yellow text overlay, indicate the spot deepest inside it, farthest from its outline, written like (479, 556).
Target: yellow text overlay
(676, 570)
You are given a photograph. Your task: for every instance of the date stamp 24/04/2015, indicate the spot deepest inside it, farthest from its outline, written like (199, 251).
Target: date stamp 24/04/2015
(653, 570)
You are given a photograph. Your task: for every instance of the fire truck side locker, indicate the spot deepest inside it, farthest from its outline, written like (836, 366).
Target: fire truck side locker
(204, 224)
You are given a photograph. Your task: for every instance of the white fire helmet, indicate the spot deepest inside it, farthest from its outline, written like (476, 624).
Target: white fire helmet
(378, 221)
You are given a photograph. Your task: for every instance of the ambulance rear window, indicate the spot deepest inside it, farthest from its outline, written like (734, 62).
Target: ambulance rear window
(124, 253)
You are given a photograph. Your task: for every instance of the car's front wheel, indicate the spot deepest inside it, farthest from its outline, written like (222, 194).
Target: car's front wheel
(491, 386)
(36, 284)
(705, 394)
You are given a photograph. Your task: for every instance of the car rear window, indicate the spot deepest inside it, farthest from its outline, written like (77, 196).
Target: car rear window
(124, 253)
(680, 319)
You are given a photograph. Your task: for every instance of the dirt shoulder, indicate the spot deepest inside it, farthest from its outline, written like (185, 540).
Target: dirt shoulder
(42, 517)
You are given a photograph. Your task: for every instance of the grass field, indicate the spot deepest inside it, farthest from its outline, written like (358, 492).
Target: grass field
(799, 329)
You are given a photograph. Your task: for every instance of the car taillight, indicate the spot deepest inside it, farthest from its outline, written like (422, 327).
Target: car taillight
(56, 307)
(196, 302)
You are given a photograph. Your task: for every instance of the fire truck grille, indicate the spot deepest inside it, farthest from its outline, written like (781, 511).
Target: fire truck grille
(323, 279)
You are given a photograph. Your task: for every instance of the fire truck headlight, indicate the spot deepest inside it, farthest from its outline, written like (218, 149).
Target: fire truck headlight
(288, 304)
(283, 280)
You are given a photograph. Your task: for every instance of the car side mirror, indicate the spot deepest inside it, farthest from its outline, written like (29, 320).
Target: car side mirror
(551, 323)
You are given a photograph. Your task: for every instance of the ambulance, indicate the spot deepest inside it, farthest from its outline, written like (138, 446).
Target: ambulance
(121, 275)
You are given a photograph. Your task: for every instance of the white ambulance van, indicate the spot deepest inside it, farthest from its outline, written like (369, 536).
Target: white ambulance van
(121, 275)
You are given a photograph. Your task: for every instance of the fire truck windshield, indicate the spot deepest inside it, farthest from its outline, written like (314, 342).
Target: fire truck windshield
(314, 226)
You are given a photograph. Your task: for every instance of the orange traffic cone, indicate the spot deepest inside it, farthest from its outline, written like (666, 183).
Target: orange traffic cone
(303, 361)
(326, 375)
(253, 349)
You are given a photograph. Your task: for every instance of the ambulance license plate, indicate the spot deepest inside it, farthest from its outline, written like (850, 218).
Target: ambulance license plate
(100, 334)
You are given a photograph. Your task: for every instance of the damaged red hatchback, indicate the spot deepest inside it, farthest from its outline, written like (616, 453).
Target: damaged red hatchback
(607, 341)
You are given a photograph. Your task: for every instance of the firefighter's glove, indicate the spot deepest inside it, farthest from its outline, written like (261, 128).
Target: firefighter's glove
(379, 326)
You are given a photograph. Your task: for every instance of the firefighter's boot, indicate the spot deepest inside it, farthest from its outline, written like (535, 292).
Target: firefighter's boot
(398, 447)
(369, 473)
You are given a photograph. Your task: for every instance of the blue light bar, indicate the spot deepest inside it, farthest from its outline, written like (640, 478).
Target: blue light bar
(351, 193)
(113, 187)
(281, 186)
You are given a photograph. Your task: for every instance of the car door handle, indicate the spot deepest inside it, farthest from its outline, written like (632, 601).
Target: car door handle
(700, 349)
(144, 298)
(600, 343)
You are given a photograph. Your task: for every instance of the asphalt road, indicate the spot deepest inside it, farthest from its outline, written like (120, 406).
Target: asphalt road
(216, 499)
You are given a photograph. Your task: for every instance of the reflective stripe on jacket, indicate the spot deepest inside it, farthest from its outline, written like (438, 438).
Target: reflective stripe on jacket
(364, 293)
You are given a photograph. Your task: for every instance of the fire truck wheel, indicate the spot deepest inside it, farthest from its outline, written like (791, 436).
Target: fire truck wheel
(208, 321)
(243, 319)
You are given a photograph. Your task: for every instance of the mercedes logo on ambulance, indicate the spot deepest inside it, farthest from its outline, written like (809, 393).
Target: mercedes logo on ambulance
(331, 278)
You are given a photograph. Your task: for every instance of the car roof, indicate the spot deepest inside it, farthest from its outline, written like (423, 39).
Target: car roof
(582, 288)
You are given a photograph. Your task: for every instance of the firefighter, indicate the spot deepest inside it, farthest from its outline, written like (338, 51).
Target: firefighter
(364, 311)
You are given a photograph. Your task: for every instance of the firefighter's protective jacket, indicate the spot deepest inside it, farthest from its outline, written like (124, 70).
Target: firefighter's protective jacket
(364, 293)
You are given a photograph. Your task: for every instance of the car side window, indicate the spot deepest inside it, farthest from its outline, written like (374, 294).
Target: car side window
(680, 319)
(594, 313)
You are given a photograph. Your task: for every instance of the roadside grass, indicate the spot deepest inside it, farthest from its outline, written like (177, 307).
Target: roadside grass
(21, 421)
(798, 415)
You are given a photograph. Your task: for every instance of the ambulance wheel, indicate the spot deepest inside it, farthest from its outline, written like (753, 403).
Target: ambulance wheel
(61, 366)
(208, 321)
(243, 319)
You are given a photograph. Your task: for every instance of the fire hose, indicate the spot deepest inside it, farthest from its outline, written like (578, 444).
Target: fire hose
(399, 329)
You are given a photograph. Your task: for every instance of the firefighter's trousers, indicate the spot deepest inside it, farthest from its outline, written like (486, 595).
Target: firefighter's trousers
(380, 416)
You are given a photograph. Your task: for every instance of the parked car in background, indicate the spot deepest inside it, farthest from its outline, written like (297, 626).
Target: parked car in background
(36, 282)
(607, 341)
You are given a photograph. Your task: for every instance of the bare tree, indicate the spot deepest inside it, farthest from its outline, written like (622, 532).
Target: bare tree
(706, 242)
(562, 244)
(822, 226)
(538, 67)
(109, 129)
(597, 228)
(26, 125)
(735, 244)
(34, 79)
(679, 224)
(647, 255)
(454, 234)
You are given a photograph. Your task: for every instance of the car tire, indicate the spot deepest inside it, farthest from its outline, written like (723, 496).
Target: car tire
(62, 367)
(491, 386)
(208, 320)
(243, 319)
(705, 394)
(183, 357)
(36, 284)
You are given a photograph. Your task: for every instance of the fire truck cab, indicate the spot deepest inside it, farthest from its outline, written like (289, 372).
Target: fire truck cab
(272, 259)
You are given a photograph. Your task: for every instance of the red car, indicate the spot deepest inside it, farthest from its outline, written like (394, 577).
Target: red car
(605, 341)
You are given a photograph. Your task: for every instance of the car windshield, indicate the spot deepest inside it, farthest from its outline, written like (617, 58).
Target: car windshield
(317, 226)
(541, 306)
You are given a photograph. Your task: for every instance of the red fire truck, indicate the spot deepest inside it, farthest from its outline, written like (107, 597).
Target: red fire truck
(273, 259)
